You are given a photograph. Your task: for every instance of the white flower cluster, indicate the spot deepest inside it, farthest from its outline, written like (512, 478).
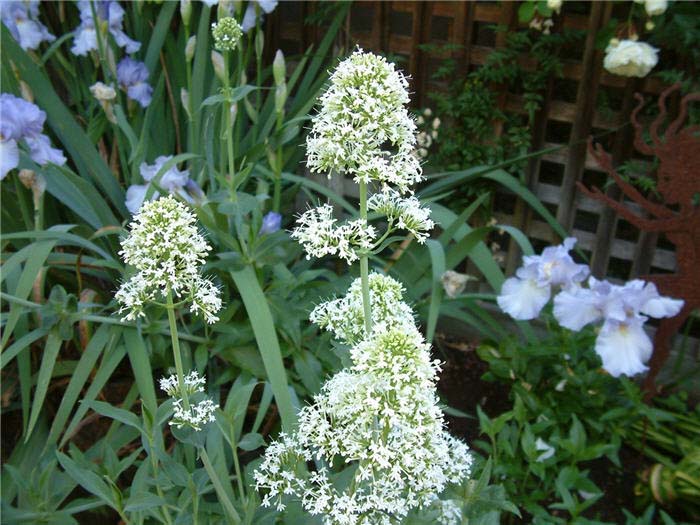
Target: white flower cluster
(168, 251)
(193, 384)
(629, 58)
(198, 415)
(363, 127)
(345, 316)
(379, 417)
(404, 212)
(622, 343)
(319, 235)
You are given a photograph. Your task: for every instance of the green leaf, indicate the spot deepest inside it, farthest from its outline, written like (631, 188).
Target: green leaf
(48, 361)
(88, 480)
(141, 501)
(118, 414)
(251, 441)
(104, 372)
(318, 188)
(105, 336)
(141, 368)
(437, 258)
(236, 94)
(526, 11)
(159, 34)
(266, 337)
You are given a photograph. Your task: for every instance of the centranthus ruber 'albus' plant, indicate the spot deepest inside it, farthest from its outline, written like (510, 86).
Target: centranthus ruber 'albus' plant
(168, 252)
(378, 420)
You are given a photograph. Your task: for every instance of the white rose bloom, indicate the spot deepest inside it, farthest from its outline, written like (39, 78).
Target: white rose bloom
(629, 58)
(655, 7)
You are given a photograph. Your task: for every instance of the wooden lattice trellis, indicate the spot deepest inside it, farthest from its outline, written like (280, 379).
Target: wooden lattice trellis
(399, 29)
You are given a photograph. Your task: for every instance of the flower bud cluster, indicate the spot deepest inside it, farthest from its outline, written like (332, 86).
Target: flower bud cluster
(380, 415)
(226, 33)
(167, 250)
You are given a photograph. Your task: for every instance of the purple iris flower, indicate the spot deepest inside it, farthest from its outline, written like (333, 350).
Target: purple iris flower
(132, 76)
(22, 20)
(272, 222)
(86, 35)
(23, 121)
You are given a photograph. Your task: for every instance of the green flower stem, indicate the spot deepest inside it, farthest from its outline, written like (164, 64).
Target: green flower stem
(364, 264)
(228, 128)
(24, 208)
(277, 195)
(218, 487)
(236, 464)
(159, 491)
(188, 72)
(176, 350)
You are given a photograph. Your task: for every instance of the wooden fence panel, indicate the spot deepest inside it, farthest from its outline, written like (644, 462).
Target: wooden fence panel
(398, 29)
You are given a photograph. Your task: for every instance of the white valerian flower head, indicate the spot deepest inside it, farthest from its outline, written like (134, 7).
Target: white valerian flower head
(523, 296)
(226, 33)
(381, 415)
(167, 250)
(198, 415)
(629, 58)
(345, 316)
(404, 213)
(319, 235)
(193, 384)
(363, 127)
(655, 7)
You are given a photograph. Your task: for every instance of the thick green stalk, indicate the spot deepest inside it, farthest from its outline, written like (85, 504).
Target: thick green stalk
(228, 125)
(364, 264)
(176, 351)
(277, 195)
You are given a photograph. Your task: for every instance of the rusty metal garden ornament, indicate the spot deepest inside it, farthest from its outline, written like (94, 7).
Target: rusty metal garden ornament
(678, 183)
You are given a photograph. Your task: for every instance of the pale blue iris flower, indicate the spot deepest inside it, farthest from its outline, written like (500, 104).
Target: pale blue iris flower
(23, 121)
(22, 20)
(132, 76)
(174, 181)
(86, 35)
(523, 296)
